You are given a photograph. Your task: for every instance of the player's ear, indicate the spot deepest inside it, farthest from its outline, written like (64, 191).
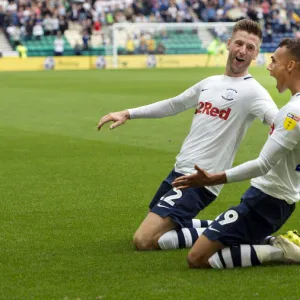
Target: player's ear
(291, 65)
(256, 54)
(228, 44)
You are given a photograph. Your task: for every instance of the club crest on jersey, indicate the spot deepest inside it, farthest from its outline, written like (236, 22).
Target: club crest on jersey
(229, 94)
(290, 121)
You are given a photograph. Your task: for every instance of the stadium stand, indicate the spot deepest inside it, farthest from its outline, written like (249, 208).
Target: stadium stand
(86, 24)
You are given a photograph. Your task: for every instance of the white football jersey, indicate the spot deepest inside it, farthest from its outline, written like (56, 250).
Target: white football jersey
(226, 107)
(283, 180)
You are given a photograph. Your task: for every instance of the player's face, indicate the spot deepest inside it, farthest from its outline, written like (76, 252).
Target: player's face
(278, 68)
(243, 47)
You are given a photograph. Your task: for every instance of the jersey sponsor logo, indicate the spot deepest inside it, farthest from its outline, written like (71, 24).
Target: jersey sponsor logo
(229, 94)
(290, 121)
(208, 109)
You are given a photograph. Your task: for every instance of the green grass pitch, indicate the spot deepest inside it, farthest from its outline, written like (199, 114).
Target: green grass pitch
(71, 197)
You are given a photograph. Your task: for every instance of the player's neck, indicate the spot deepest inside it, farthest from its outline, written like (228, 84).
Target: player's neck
(231, 74)
(295, 91)
(294, 85)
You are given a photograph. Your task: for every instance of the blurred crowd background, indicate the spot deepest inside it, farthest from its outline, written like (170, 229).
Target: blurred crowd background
(25, 20)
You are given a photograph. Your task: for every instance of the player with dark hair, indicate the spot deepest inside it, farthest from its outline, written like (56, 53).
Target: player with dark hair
(232, 240)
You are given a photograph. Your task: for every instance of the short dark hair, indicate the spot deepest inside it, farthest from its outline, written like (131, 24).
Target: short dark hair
(293, 46)
(248, 26)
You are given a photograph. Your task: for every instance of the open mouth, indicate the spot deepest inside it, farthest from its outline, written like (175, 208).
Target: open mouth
(239, 59)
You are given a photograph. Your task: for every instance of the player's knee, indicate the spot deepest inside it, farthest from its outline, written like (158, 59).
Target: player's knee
(197, 261)
(144, 242)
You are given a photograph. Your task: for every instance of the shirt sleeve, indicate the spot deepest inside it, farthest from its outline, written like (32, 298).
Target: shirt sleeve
(264, 108)
(287, 130)
(270, 115)
(168, 107)
(270, 155)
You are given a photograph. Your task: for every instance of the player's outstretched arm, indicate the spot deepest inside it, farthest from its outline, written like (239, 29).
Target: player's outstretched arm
(118, 118)
(270, 155)
(201, 178)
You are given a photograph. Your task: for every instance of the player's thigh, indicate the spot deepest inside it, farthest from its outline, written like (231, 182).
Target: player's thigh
(154, 225)
(151, 229)
(201, 251)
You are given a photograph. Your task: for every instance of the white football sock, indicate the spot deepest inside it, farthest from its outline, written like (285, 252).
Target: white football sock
(201, 223)
(180, 238)
(245, 256)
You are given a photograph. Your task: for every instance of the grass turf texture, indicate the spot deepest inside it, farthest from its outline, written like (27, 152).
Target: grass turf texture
(71, 197)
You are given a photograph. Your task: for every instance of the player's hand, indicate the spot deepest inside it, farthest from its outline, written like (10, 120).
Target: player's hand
(201, 178)
(118, 118)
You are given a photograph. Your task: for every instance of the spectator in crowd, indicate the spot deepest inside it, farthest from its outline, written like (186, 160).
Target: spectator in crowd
(265, 5)
(28, 30)
(269, 34)
(38, 31)
(73, 13)
(54, 24)
(97, 26)
(109, 18)
(78, 49)
(211, 12)
(63, 24)
(172, 12)
(2, 16)
(142, 44)
(14, 34)
(59, 45)
(11, 6)
(85, 40)
(130, 47)
(47, 24)
(88, 26)
(160, 49)
(151, 45)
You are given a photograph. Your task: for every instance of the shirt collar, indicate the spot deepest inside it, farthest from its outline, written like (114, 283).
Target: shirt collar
(248, 76)
(295, 97)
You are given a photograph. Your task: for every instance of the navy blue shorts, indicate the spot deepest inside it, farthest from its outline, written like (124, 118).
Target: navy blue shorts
(257, 216)
(181, 206)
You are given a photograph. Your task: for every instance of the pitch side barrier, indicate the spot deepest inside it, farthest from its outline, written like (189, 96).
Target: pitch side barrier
(124, 62)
